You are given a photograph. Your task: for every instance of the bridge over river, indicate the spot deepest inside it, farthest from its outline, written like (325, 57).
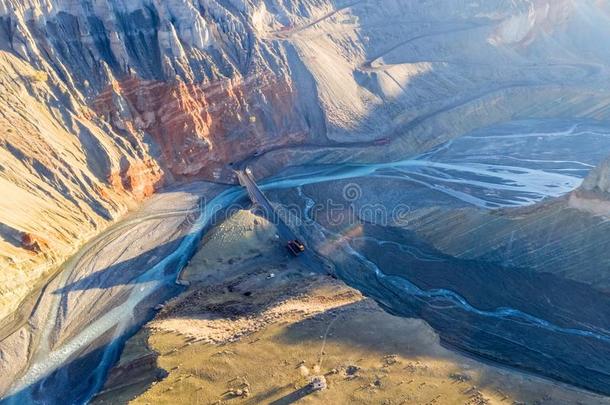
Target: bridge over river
(284, 232)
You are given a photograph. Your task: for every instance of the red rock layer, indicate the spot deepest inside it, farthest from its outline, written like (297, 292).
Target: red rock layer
(139, 179)
(33, 243)
(200, 128)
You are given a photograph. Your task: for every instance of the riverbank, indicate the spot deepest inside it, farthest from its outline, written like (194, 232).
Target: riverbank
(101, 296)
(255, 326)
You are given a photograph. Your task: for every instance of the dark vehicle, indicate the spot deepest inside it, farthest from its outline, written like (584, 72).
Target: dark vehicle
(295, 247)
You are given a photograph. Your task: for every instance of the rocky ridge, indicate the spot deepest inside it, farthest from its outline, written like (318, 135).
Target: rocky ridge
(103, 102)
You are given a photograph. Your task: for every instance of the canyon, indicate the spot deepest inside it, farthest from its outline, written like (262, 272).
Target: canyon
(105, 103)
(119, 118)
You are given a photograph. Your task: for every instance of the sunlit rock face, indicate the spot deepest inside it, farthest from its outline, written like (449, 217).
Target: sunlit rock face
(594, 194)
(599, 178)
(189, 76)
(198, 129)
(64, 175)
(105, 101)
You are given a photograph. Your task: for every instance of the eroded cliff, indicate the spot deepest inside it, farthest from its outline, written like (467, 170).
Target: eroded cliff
(103, 102)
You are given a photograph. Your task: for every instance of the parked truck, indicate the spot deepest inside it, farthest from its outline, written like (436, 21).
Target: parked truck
(295, 247)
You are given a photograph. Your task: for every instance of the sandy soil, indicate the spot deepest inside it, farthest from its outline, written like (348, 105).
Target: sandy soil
(104, 290)
(255, 327)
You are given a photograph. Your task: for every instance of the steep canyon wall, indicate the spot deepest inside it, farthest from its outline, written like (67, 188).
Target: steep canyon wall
(105, 101)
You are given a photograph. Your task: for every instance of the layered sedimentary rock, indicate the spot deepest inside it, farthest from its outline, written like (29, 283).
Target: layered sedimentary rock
(64, 175)
(198, 128)
(103, 102)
